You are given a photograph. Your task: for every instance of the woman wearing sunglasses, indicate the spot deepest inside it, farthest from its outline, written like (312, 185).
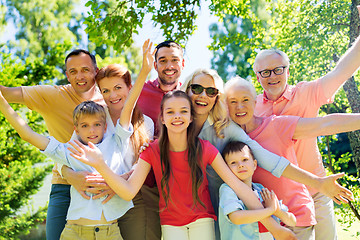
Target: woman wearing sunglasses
(205, 88)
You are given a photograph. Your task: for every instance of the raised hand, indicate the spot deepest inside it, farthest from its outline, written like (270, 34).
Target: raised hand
(148, 56)
(90, 155)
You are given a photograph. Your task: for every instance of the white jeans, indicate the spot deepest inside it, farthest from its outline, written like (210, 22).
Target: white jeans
(200, 229)
(304, 233)
(324, 213)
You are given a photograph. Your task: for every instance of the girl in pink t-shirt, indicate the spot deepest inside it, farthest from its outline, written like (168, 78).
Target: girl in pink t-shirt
(179, 160)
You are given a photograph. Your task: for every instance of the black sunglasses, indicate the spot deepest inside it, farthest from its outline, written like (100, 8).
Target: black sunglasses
(198, 89)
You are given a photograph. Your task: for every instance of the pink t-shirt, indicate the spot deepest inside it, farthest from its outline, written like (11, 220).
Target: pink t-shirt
(303, 100)
(181, 209)
(275, 133)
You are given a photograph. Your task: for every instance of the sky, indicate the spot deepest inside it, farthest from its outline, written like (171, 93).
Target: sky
(196, 54)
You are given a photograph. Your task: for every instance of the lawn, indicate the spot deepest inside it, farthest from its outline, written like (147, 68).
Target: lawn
(350, 233)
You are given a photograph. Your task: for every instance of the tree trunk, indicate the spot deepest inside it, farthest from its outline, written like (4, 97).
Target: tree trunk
(351, 89)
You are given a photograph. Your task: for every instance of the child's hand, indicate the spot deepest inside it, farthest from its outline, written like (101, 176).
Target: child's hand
(148, 57)
(270, 199)
(90, 155)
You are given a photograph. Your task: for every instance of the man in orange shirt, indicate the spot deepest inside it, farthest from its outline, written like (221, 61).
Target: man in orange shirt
(304, 100)
(56, 105)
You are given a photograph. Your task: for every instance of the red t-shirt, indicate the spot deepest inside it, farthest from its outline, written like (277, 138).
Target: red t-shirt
(181, 209)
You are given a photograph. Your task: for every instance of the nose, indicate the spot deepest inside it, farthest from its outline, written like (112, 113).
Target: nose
(91, 129)
(169, 64)
(112, 94)
(203, 93)
(177, 115)
(79, 75)
(239, 106)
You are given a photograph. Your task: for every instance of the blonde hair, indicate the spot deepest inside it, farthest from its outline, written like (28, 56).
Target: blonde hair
(218, 115)
(88, 108)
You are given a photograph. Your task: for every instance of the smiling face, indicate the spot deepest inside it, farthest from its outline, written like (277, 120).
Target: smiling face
(241, 104)
(169, 64)
(176, 114)
(90, 128)
(242, 164)
(80, 72)
(274, 86)
(114, 91)
(202, 103)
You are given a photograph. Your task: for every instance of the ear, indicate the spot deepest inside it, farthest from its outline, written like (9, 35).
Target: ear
(183, 63)
(67, 76)
(155, 65)
(162, 120)
(257, 77)
(255, 164)
(105, 127)
(76, 130)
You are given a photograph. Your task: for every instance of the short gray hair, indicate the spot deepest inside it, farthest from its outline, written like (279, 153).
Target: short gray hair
(268, 52)
(239, 82)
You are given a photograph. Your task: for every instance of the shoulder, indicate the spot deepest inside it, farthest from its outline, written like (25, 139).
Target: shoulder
(47, 90)
(305, 86)
(148, 121)
(206, 144)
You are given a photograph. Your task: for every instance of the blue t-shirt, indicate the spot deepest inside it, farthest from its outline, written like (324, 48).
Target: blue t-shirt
(229, 202)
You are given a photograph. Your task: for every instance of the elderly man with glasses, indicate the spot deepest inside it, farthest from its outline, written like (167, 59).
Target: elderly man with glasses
(304, 100)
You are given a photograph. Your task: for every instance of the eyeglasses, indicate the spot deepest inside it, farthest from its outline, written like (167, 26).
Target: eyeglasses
(198, 89)
(277, 71)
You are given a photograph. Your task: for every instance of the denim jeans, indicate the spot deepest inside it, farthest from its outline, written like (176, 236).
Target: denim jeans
(57, 210)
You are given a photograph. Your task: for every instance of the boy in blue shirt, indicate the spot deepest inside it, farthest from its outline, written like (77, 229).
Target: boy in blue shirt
(235, 220)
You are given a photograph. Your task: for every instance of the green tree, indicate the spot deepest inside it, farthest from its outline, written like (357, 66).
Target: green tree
(41, 24)
(42, 36)
(21, 173)
(314, 35)
(232, 59)
(46, 31)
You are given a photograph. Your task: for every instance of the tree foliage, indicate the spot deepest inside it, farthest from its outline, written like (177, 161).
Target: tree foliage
(41, 24)
(118, 20)
(22, 167)
(314, 34)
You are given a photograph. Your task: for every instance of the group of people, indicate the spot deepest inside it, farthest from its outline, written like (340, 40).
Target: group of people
(226, 163)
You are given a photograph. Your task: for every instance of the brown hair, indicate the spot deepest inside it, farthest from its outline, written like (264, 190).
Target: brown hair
(140, 135)
(194, 153)
(235, 146)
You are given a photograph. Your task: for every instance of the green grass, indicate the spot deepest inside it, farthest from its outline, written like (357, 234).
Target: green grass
(350, 233)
